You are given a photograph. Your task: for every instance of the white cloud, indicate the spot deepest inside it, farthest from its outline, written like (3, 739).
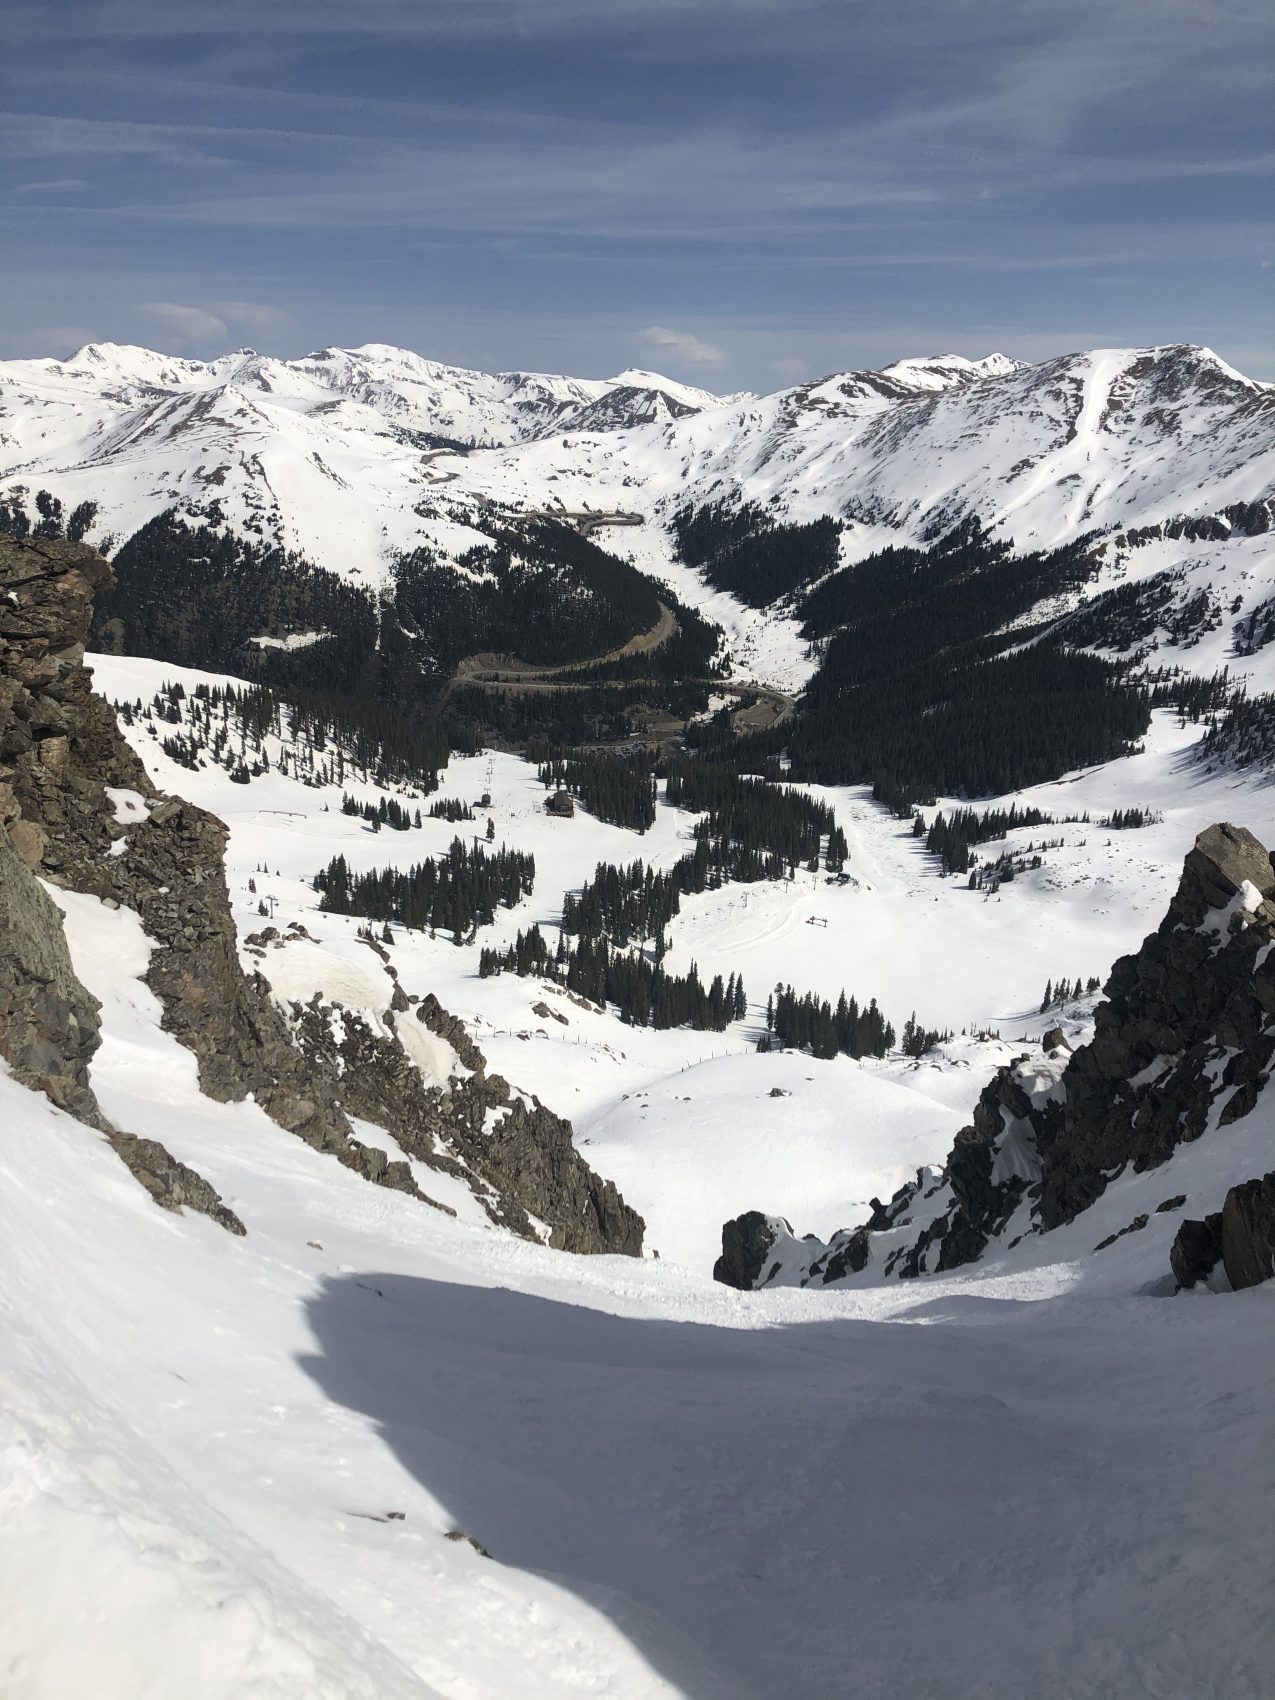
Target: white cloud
(684, 344)
(49, 186)
(189, 327)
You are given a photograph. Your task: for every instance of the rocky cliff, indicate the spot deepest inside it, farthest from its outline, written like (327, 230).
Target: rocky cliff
(60, 748)
(1182, 1047)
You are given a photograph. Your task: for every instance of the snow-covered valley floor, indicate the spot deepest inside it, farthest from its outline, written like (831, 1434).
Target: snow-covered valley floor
(683, 1121)
(1042, 1477)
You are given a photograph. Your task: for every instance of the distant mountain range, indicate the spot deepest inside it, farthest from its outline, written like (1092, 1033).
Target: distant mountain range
(352, 455)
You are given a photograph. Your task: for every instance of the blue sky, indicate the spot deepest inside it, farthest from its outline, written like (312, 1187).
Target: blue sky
(737, 192)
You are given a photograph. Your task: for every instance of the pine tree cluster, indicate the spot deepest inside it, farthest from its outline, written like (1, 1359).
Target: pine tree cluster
(753, 819)
(538, 590)
(450, 809)
(950, 837)
(644, 994)
(198, 596)
(456, 893)
(1243, 738)
(1192, 696)
(811, 1023)
(319, 741)
(924, 692)
(1061, 991)
(1121, 820)
(618, 789)
(386, 812)
(15, 521)
(917, 1040)
(745, 551)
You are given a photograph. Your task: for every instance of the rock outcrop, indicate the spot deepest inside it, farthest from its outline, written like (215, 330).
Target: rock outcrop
(60, 747)
(50, 729)
(747, 1243)
(1182, 1044)
(48, 1021)
(1238, 1239)
(515, 1154)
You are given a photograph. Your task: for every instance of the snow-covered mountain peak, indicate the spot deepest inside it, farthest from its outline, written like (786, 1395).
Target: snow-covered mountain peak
(944, 371)
(634, 377)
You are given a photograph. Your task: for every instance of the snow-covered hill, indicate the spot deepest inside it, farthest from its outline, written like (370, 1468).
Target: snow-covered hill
(351, 455)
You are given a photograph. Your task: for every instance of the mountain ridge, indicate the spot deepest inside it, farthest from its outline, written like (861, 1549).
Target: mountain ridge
(352, 457)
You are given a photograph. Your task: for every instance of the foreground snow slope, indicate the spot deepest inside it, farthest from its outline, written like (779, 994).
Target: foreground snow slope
(1038, 1481)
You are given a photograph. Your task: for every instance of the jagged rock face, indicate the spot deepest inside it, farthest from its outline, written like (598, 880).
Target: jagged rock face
(523, 1160)
(528, 1158)
(60, 746)
(1185, 1022)
(48, 1021)
(1195, 990)
(173, 1185)
(1183, 1041)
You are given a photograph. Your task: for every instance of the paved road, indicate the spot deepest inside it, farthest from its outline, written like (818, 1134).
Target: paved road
(482, 669)
(586, 520)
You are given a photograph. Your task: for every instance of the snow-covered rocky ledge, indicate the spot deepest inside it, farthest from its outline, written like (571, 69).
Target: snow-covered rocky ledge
(1162, 1112)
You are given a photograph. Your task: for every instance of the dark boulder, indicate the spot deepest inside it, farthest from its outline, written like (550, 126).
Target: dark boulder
(1248, 1232)
(1196, 1250)
(746, 1247)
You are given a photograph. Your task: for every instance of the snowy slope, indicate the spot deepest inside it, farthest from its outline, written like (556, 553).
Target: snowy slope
(684, 1121)
(1040, 1476)
(329, 454)
(1039, 1480)
(345, 453)
(1107, 438)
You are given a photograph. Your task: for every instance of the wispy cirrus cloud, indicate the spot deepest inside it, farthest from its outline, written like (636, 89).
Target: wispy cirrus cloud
(49, 186)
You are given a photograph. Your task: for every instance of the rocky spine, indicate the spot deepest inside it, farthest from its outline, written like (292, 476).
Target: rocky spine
(60, 746)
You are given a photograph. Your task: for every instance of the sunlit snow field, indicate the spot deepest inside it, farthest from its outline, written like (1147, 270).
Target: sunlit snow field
(1029, 1479)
